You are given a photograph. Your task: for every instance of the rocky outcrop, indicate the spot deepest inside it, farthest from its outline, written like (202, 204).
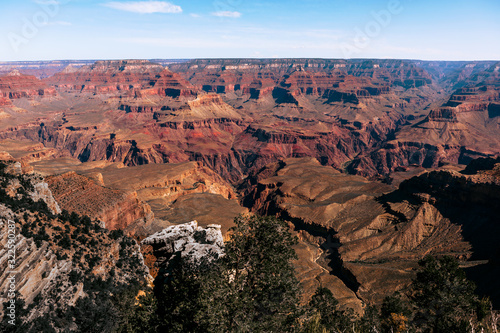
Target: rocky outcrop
(42, 192)
(188, 241)
(444, 114)
(48, 277)
(37, 272)
(39, 189)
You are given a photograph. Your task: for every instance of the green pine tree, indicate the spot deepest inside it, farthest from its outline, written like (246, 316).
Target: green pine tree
(443, 295)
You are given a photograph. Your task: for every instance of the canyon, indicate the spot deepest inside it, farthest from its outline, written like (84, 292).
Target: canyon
(366, 159)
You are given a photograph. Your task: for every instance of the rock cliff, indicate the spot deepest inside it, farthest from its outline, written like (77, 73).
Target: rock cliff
(104, 77)
(458, 131)
(15, 85)
(116, 209)
(58, 256)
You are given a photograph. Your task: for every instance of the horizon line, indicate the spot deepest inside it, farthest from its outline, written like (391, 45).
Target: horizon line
(247, 58)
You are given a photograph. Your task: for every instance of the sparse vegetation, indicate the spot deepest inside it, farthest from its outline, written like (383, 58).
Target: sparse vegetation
(198, 299)
(69, 236)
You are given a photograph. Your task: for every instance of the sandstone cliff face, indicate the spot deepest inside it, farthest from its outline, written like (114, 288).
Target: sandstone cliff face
(104, 77)
(258, 78)
(116, 209)
(38, 270)
(270, 68)
(170, 84)
(206, 108)
(16, 85)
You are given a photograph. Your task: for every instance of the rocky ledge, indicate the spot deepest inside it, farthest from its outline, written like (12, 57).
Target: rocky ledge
(189, 241)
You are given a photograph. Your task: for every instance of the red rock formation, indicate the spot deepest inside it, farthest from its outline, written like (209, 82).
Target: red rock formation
(172, 84)
(393, 72)
(445, 114)
(208, 100)
(16, 85)
(260, 80)
(107, 76)
(230, 80)
(222, 75)
(333, 110)
(460, 130)
(117, 209)
(321, 83)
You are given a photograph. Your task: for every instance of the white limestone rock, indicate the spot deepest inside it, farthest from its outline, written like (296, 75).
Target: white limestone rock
(189, 240)
(43, 192)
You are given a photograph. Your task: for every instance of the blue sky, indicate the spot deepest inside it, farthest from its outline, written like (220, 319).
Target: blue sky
(116, 29)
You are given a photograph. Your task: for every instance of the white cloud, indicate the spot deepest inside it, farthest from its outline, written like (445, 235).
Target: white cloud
(195, 15)
(145, 7)
(227, 14)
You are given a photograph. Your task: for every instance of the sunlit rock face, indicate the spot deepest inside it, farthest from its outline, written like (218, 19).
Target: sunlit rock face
(104, 77)
(15, 85)
(189, 241)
